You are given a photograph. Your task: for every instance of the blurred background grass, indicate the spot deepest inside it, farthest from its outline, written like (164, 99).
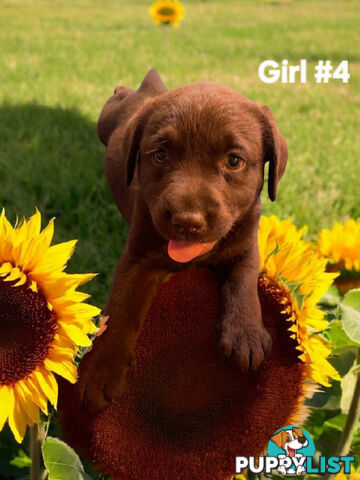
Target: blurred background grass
(60, 61)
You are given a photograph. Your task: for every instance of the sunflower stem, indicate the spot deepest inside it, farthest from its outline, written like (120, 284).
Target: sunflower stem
(164, 35)
(344, 444)
(36, 439)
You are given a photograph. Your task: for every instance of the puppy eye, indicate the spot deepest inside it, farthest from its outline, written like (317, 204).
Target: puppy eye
(160, 156)
(234, 161)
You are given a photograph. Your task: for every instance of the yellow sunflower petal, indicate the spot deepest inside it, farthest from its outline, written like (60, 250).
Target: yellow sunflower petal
(15, 274)
(61, 284)
(295, 266)
(31, 385)
(70, 298)
(5, 268)
(36, 248)
(34, 225)
(55, 258)
(29, 406)
(6, 403)
(18, 419)
(64, 369)
(75, 333)
(47, 383)
(21, 281)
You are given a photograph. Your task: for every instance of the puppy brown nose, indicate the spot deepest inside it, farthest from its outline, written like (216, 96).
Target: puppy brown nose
(190, 222)
(302, 440)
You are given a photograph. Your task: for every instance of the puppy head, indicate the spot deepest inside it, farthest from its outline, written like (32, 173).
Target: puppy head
(200, 151)
(290, 440)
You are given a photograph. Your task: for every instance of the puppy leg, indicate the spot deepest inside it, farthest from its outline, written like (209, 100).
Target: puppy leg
(103, 370)
(243, 337)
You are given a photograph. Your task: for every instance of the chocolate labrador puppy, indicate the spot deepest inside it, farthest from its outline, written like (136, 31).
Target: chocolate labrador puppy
(186, 168)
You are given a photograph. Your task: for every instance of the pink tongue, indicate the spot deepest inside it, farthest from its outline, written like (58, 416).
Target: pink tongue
(183, 252)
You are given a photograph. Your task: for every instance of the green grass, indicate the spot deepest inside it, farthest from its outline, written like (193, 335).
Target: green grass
(61, 60)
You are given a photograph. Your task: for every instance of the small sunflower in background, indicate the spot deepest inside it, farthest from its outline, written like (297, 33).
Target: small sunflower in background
(42, 320)
(167, 12)
(341, 246)
(295, 276)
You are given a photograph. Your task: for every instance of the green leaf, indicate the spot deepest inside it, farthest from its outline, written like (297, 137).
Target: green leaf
(337, 336)
(350, 314)
(22, 460)
(347, 387)
(343, 360)
(328, 398)
(355, 450)
(337, 422)
(331, 297)
(328, 442)
(61, 461)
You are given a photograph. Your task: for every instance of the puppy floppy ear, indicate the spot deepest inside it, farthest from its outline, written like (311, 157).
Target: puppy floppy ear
(151, 86)
(134, 135)
(278, 438)
(276, 151)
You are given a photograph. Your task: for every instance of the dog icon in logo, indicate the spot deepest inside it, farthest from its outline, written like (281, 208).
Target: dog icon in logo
(291, 440)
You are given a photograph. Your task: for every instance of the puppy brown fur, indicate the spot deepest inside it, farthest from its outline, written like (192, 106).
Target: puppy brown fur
(184, 165)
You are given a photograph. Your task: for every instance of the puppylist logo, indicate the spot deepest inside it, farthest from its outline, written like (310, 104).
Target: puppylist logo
(291, 451)
(291, 446)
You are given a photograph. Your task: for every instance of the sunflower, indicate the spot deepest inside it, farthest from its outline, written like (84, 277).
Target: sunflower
(183, 397)
(292, 270)
(341, 245)
(167, 12)
(42, 320)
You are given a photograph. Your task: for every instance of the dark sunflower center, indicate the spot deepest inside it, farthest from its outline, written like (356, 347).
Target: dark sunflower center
(166, 11)
(27, 329)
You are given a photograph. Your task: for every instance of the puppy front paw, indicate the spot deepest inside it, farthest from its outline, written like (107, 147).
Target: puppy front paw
(102, 377)
(246, 346)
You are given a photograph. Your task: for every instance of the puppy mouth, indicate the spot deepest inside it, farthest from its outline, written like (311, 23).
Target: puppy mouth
(183, 251)
(291, 451)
